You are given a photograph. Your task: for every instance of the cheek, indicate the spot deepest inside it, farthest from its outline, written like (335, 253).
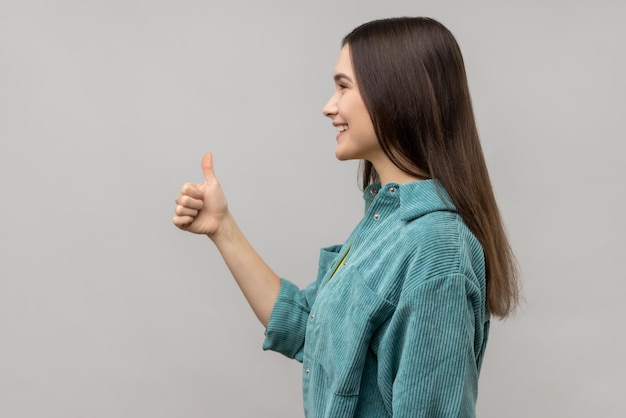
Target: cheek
(364, 119)
(346, 104)
(359, 112)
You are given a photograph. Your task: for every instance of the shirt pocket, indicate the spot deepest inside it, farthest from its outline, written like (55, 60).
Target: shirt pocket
(343, 319)
(329, 256)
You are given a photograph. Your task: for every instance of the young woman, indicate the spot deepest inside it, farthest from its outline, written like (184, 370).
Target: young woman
(397, 321)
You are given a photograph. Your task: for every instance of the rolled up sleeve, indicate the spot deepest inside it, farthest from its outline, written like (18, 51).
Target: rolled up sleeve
(286, 330)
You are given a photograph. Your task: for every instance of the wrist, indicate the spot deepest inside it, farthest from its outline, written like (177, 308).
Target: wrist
(224, 231)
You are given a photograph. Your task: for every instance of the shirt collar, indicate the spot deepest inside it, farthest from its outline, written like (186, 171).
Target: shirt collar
(416, 198)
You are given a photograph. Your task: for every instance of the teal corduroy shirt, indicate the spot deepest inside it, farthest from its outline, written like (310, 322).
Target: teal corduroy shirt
(400, 330)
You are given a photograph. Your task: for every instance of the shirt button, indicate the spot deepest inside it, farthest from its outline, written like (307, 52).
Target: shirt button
(373, 191)
(307, 371)
(312, 316)
(392, 190)
(377, 216)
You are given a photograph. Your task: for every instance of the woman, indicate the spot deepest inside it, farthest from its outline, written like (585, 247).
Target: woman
(397, 321)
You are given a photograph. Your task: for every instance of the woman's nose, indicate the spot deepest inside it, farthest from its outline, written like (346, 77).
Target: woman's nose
(330, 108)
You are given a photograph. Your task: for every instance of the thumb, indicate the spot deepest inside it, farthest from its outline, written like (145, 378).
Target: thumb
(207, 167)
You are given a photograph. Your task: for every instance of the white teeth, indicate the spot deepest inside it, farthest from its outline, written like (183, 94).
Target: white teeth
(342, 128)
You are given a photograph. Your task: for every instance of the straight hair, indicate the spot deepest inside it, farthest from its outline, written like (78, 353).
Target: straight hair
(412, 79)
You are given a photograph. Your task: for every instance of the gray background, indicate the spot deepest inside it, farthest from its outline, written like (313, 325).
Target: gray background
(106, 107)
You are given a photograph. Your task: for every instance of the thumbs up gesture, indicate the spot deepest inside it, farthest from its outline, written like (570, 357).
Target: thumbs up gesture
(201, 208)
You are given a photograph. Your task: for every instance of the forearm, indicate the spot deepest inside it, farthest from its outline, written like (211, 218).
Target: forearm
(259, 284)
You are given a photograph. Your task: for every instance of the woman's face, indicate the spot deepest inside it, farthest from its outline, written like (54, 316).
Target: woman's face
(356, 138)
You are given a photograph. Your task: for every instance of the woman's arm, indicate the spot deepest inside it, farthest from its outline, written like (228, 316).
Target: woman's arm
(428, 354)
(203, 209)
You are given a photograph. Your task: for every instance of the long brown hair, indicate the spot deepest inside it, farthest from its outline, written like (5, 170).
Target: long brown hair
(412, 79)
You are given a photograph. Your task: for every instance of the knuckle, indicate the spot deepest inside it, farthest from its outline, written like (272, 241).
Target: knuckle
(186, 187)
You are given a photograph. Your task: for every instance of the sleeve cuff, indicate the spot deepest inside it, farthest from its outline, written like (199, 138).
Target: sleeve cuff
(286, 329)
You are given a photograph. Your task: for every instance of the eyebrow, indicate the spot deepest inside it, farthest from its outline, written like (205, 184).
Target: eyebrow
(339, 76)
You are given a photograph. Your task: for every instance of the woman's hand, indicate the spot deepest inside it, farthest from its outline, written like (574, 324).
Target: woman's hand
(201, 208)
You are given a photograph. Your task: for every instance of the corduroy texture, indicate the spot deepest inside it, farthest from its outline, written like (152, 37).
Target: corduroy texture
(401, 329)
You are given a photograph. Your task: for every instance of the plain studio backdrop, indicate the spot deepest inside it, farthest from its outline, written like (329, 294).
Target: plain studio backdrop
(106, 108)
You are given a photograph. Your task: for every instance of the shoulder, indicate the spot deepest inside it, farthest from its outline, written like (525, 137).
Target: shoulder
(440, 244)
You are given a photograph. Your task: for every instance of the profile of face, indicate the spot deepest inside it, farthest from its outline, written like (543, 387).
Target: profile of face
(356, 138)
